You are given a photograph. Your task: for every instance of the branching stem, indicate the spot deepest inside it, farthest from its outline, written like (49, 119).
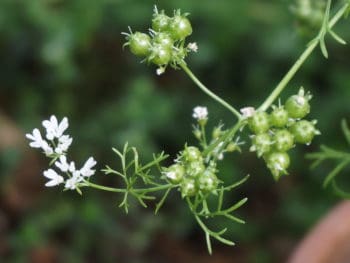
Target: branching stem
(294, 69)
(208, 92)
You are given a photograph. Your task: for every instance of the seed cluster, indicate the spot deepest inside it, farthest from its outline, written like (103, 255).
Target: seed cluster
(191, 174)
(275, 133)
(309, 14)
(165, 42)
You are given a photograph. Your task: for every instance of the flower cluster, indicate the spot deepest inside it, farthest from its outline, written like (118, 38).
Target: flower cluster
(165, 43)
(55, 145)
(200, 114)
(276, 133)
(58, 142)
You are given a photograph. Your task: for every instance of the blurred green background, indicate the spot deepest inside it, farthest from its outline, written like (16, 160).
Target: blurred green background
(66, 58)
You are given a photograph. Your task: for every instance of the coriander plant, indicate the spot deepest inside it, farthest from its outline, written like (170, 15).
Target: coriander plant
(274, 128)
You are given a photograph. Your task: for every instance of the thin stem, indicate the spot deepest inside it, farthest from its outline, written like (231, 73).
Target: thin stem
(228, 135)
(122, 190)
(105, 188)
(208, 92)
(203, 135)
(290, 74)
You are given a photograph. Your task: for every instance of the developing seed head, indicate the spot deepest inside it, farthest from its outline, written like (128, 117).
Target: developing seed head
(309, 14)
(160, 55)
(304, 131)
(207, 182)
(139, 43)
(278, 163)
(279, 117)
(160, 21)
(188, 187)
(180, 27)
(174, 173)
(163, 39)
(298, 105)
(192, 154)
(259, 122)
(261, 143)
(283, 140)
(194, 168)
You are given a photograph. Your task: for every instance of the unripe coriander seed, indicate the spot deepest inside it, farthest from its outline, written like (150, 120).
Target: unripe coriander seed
(259, 122)
(188, 187)
(160, 55)
(192, 153)
(194, 168)
(160, 22)
(283, 140)
(279, 117)
(175, 173)
(139, 43)
(278, 163)
(261, 143)
(207, 182)
(163, 39)
(304, 131)
(180, 27)
(298, 105)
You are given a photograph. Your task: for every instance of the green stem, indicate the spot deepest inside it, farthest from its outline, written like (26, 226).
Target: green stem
(203, 135)
(122, 190)
(225, 138)
(290, 74)
(208, 92)
(105, 188)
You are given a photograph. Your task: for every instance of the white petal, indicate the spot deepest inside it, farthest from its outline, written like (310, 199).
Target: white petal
(55, 179)
(54, 121)
(62, 127)
(72, 167)
(36, 144)
(51, 127)
(51, 174)
(63, 143)
(200, 113)
(86, 169)
(55, 182)
(35, 135)
(62, 163)
(73, 182)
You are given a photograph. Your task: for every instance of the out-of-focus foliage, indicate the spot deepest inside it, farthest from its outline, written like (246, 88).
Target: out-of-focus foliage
(65, 57)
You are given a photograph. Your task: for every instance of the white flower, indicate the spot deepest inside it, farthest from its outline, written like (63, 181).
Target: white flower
(74, 181)
(171, 175)
(39, 142)
(55, 179)
(86, 170)
(36, 139)
(200, 113)
(193, 47)
(53, 128)
(63, 144)
(160, 70)
(248, 112)
(64, 166)
(47, 148)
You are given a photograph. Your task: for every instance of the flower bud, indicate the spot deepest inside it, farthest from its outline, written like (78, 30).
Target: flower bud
(207, 182)
(175, 173)
(192, 153)
(188, 187)
(195, 168)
